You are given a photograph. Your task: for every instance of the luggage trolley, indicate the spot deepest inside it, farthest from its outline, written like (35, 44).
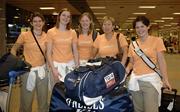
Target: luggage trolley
(12, 78)
(10, 68)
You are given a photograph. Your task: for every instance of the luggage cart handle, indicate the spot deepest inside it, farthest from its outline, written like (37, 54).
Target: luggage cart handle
(14, 74)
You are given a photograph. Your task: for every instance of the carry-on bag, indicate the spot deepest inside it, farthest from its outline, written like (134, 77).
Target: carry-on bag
(168, 100)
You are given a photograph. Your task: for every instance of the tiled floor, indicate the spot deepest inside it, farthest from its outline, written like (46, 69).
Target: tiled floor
(173, 62)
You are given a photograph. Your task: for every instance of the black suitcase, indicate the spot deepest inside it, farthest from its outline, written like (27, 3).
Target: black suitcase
(168, 100)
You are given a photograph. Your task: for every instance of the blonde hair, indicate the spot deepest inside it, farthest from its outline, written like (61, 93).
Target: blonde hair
(108, 18)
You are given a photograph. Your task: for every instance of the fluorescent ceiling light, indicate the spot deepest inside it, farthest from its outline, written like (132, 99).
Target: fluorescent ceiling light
(16, 17)
(176, 13)
(153, 23)
(46, 8)
(147, 7)
(174, 23)
(128, 21)
(10, 25)
(132, 18)
(99, 13)
(55, 13)
(159, 21)
(139, 13)
(167, 25)
(98, 7)
(97, 29)
(167, 18)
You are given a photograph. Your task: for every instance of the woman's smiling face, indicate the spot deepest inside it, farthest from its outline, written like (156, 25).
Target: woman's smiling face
(141, 29)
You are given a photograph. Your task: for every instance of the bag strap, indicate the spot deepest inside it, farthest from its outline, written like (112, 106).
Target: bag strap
(94, 35)
(145, 58)
(39, 46)
(118, 43)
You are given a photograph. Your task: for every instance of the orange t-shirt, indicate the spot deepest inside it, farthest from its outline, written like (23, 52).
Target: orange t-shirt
(85, 47)
(109, 47)
(31, 51)
(150, 47)
(62, 44)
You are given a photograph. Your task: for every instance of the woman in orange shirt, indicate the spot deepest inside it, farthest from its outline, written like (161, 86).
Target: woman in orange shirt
(37, 78)
(85, 39)
(62, 53)
(106, 44)
(145, 84)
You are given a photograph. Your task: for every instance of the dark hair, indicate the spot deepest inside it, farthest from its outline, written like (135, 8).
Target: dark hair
(91, 27)
(143, 19)
(37, 14)
(58, 19)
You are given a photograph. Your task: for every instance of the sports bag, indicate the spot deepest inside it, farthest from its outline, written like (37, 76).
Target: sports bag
(89, 84)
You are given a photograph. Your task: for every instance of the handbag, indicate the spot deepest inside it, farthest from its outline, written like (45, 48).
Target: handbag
(144, 57)
(10, 62)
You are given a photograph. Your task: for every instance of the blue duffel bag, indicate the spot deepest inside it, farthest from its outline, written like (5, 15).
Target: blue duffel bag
(94, 88)
(89, 84)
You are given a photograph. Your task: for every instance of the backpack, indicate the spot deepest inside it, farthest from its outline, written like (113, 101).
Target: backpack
(94, 34)
(89, 84)
(9, 62)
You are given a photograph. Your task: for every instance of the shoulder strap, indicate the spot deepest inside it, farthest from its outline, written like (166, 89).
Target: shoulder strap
(94, 35)
(77, 33)
(118, 43)
(39, 46)
(145, 58)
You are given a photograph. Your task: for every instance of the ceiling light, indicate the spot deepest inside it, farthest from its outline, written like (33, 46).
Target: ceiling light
(132, 18)
(16, 17)
(17, 9)
(99, 13)
(153, 23)
(147, 7)
(174, 23)
(98, 7)
(55, 13)
(176, 13)
(46, 8)
(129, 21)
(10, 25)
(159, 21)
(167, 25)
(97, 29)
(139, 13)
(167, 18)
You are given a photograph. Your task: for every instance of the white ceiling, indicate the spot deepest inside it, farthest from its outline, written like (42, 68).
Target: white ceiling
(121, 10)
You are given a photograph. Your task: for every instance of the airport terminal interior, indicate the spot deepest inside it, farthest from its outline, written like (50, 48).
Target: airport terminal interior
(164, 16)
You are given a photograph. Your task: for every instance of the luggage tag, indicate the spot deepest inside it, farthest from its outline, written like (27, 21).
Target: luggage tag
(170, 106)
